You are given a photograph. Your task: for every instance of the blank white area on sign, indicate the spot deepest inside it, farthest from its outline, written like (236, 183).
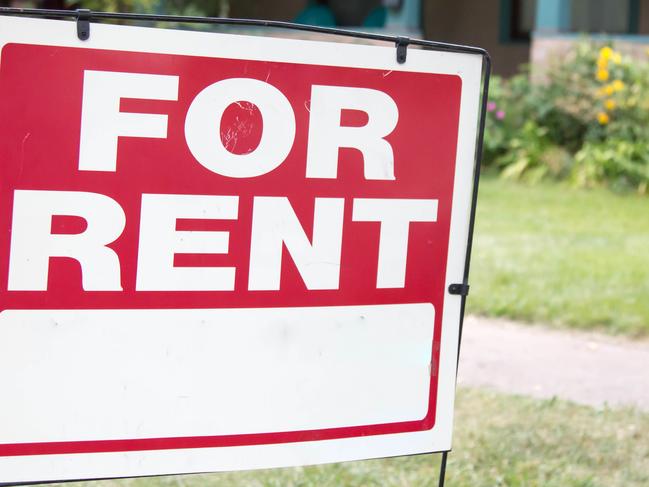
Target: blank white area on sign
(70, 375)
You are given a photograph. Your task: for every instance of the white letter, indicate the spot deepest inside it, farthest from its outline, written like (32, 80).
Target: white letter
(203, 127)
(159, 241)
(32, 241)
(275, 224)
(395, 216)
(326, 135)
(102, 122)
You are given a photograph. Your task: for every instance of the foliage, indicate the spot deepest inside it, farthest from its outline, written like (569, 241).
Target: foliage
(173, 7)
(506, 113)
(519, 141)
(618, 162)
(531, 155)
(586, 118)
(140, 6)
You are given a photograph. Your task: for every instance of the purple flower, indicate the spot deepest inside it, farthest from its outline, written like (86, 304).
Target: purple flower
(500, 115)
(491, 106)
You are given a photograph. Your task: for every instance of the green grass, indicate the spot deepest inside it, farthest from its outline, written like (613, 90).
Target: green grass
(500, 440)
(561, 256)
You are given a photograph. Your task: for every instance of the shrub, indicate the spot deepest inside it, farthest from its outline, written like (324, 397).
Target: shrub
(587, 119)
(507, 109)
(532, 156)
(617, 163)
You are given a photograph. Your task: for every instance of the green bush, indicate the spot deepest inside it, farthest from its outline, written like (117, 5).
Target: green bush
(506, 113)
(586, 118)
(618, 163)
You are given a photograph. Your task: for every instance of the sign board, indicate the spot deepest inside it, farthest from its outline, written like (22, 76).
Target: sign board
(224, 252)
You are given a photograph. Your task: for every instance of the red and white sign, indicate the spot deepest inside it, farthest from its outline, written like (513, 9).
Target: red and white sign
(225, 252)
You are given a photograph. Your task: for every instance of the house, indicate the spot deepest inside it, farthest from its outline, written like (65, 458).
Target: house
(515, 32)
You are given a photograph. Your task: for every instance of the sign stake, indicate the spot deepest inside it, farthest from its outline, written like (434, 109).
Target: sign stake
(442, 469)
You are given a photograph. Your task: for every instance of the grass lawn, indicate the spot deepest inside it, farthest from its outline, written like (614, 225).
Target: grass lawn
(560, 256)
(499, 441)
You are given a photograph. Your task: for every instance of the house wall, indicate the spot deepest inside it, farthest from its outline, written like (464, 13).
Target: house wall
(268, 10)
(476, 23)
(643, 21)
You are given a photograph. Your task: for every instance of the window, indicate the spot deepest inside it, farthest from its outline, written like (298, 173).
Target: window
(604, 16)
(517, 20)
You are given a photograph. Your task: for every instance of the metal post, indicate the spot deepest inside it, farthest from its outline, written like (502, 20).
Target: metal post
(442, 469)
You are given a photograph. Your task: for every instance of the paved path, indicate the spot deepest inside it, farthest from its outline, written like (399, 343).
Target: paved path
(587, 368)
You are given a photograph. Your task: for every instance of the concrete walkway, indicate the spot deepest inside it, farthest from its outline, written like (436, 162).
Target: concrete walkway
(586, 368)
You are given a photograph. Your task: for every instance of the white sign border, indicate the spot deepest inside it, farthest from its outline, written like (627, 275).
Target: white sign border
(158, 462)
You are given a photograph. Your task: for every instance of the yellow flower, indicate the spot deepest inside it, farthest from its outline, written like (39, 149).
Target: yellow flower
(617, 85)
(609, 90)
(610, 105)
(605, 52)
(602, 75)
(616, 58)
(603, 118)
(602, 63)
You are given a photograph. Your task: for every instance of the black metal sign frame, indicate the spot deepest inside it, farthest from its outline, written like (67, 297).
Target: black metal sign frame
(84, 18)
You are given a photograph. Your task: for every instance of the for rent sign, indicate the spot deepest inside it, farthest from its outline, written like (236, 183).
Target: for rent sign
(226, 252)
